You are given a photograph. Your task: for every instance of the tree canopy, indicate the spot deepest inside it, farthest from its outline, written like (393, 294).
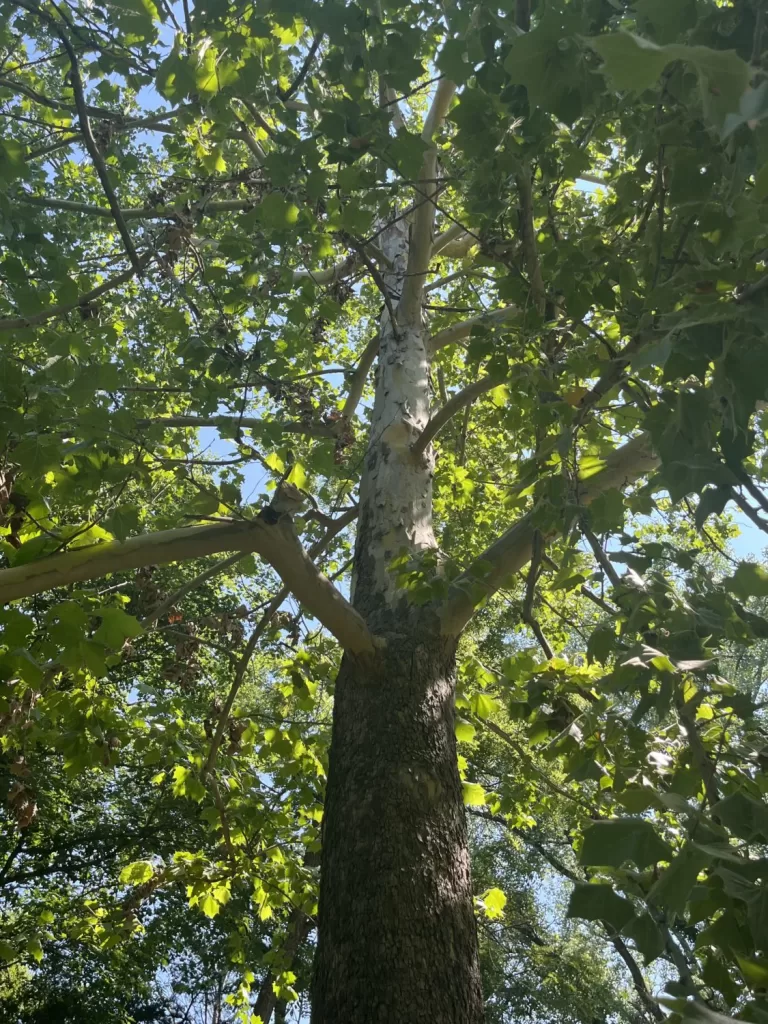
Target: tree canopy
(545, 225)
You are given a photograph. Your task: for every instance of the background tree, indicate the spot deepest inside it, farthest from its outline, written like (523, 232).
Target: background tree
(213, 214)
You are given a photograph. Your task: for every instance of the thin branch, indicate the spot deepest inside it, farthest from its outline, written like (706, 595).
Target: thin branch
(454, 405)
(333, 530)
(528, 239)
(170, 602)
(92, 146)
(586, 592)
(748, 511)
(15, 323)
(359, 377)
(277, 543)
(701, 759)
(137, 213)
(600, 555)
(461, 330)
(512, 550)
(299, 927)
(530, 593)
(379, 281)
(420, 250)
(228, 422)
(298, 81)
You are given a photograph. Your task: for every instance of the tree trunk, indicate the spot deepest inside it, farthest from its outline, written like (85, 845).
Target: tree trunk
(397, 936)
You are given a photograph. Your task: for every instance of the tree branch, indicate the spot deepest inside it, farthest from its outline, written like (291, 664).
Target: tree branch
(137, 213)
(463, 329)
(178, 595)
(530, 593)
(454, 241)
(290, 427)
(92, 146)
(528, 239)
(513, 549)
(277, 543)
(14, 323)
(334, 528)
(600, 555)
(359, 377)
(454, 405)
(420, 252)
(298, 81)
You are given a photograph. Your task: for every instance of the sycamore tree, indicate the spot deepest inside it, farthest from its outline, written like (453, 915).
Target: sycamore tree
(476, 293)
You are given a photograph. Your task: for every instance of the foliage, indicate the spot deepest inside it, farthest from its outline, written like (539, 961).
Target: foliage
(603, 178)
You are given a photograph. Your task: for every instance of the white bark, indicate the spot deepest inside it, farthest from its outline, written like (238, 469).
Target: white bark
(396, 488)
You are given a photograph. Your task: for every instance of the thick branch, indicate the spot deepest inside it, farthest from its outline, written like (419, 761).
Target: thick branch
(420, 251)
(14, 323)
(463, 329)
(454, 241)
(277, 544)
(335, 527)
(513, 549)
(454, 404)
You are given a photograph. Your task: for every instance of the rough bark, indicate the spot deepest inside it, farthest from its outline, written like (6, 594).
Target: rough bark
(397, 937)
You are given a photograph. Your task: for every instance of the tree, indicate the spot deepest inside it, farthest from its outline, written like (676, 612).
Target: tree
(549, 361)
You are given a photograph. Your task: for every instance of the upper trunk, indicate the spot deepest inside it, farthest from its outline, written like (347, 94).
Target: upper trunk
(396, 486)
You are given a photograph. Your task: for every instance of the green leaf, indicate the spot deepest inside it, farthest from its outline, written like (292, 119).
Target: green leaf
(209, 905)
(277, 212)
(671, 890)
(600, 903)
(35, 949)
(473, 794)
(635, 64)
(612, 843)
(453, 62)
(749, 580)
(482, 704)
(745, 816)
(137, 873)
(7, 952)
(12, 159)
(607, 511)
(407, 152)
(116, 627)
(647, 936)
(465, 731)
(493, 902)
(123, 521)
(760, 190)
